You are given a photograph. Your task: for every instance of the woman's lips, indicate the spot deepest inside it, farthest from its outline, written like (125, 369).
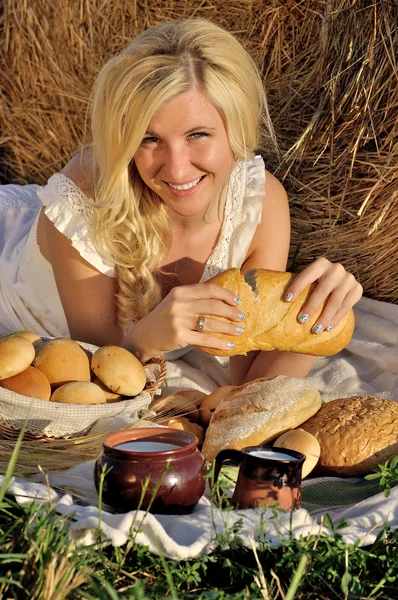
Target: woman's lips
(184, 193)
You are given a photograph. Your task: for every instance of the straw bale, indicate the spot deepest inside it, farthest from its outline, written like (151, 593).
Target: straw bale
(331, 75)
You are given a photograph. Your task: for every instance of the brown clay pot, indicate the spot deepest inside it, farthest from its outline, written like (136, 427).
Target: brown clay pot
(168, 457)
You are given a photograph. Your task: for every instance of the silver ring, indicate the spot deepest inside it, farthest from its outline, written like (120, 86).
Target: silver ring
(200, 323)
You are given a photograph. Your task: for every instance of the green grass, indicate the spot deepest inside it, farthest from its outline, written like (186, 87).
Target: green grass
(37, 561)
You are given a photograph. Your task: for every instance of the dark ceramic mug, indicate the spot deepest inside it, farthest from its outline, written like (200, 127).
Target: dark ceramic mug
(168, 457)
(267, 476)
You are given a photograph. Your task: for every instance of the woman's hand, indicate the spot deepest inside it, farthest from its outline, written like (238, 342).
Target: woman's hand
(335, 284)
(178, 322)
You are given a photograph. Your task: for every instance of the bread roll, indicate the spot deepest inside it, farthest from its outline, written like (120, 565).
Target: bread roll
(79, 392)
(62, 360)
(303, 442)
(210, 403)
(31, 382)
(119, 370)
(355, 434)
(30, 336)
(271, 323)
(259, 411)
(16, 355)
(184, 424)
(109, 395)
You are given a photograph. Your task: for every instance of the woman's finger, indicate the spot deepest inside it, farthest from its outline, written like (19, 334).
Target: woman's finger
(195, 338)
(314, 272)
(332, 289)
(215, 308)
(209, 325)
(328, 319)
(200, 291)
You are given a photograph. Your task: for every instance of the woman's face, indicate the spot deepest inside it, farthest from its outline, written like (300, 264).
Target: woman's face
(185, 156)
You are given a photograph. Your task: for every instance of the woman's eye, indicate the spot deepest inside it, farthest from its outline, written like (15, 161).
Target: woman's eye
(150, 140)
(199, 134)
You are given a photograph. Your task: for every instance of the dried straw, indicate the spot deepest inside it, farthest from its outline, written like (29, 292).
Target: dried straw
(331, 74)
(52, 454)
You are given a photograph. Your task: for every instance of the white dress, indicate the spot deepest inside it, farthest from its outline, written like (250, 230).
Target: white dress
(28, 293)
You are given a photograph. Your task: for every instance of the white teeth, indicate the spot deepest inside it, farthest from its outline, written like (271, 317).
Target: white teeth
(186, 186)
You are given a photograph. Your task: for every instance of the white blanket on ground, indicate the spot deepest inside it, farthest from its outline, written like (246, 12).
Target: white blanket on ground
(187, 536)
(369, 365)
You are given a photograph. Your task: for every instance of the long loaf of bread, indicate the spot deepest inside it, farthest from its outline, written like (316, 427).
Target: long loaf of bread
(259, 411)
(271, 323)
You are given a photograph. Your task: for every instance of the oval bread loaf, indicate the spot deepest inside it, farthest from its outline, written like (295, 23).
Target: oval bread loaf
(30, 336)
(210, 403)
(79, 392)
(355, 434)
(16, 355)
(271, 323)
(31, 382)
(184, 424)
(109, 395)
(62, 360)
(303, 442)
(257, 412)
(119, 370)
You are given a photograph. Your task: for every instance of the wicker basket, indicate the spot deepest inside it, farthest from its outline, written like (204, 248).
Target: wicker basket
(51, 420)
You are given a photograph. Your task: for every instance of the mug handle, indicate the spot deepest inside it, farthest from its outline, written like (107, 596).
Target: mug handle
(223, 456)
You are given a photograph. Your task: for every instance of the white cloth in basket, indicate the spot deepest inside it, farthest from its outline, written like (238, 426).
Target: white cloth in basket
(54, 419)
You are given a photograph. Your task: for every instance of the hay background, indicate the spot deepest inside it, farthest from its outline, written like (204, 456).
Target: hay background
(330, 69)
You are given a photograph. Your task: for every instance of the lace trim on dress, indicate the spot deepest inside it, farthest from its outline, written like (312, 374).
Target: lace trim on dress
(248, 214)
(67, 207)
(243, 211)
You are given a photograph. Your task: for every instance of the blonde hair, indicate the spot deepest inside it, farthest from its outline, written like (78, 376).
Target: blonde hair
(131, 227)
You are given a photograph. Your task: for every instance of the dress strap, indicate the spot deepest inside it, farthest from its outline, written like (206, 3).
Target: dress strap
(70, 211)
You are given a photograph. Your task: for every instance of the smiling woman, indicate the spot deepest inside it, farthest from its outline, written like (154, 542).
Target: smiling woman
(118, 247)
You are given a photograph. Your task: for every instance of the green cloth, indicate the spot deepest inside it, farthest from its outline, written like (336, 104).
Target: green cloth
(319, 494)
(323, 494)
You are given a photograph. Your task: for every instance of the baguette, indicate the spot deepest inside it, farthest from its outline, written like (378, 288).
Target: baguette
(259, 411)
(271, 323)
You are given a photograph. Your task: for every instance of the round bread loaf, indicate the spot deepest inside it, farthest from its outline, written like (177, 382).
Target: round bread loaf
(304, 442)
(79, 392)
(257, 412)
(210, 403)
(185, 425)
(109, 395)
(62, 360)
(119, 370)
(16, 355)
(31, 382)
(30, 336)
(355, 434)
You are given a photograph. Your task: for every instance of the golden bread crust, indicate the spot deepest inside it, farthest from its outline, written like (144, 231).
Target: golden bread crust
(259, 411)
(355, 434)
(271, 323)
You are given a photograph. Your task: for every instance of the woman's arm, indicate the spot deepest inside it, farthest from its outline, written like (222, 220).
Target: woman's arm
(87, 296)
(88, 300)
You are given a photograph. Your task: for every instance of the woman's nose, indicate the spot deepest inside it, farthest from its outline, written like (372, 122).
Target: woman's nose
(177, 164)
